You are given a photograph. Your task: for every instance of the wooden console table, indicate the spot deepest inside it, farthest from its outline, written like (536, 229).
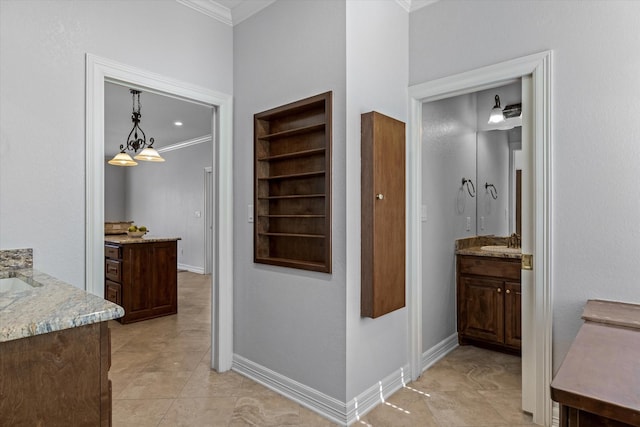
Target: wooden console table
(598, 383)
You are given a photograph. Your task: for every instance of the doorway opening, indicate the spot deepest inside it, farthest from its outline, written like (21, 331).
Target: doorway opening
(534, 70)
(99, 71)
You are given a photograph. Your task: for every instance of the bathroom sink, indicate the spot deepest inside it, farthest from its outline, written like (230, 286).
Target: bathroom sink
(501, 249)
(13, 284)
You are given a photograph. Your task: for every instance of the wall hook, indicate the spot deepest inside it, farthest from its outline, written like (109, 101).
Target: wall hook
(491, 189)
(471, 189)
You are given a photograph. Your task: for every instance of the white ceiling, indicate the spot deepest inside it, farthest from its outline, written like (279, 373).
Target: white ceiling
(159, 113)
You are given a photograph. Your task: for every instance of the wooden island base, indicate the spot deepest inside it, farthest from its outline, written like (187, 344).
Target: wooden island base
(141, 275)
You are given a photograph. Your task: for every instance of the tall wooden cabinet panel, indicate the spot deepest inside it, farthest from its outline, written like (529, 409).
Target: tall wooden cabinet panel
(383, 214)
(292, 187)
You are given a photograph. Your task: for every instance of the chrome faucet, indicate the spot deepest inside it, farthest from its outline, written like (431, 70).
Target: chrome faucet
(514, 241)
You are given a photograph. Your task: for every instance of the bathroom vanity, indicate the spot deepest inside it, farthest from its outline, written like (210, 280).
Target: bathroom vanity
(488, 294)
(54, 347)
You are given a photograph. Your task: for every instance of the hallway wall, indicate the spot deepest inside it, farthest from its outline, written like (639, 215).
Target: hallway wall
(594, 148)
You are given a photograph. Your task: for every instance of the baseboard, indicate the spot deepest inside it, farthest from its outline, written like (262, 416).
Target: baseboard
(191, 268)
(308, 397)
(376, 394)
(438, 351)
(333, 409)
(555, 414)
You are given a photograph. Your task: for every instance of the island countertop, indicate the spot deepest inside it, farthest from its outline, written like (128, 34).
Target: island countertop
(48, 305)
(122, 239)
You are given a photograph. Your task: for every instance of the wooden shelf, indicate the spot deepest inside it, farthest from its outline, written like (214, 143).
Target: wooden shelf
(294, 155)
(293, 132)
(294, 175)
(311, 236)
(292, 184)
(293, 216)
(292, 196)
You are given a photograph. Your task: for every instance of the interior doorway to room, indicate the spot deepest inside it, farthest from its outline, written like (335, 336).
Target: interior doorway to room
(534, 71)
(99, 71)
(169, 198)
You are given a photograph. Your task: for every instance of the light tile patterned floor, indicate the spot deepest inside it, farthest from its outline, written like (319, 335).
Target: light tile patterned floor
(161, 377)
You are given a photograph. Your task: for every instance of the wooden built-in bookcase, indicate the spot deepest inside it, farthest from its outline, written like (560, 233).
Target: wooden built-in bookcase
(292, 186)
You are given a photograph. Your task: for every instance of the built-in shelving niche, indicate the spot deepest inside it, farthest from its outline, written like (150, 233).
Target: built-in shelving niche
(292, 187)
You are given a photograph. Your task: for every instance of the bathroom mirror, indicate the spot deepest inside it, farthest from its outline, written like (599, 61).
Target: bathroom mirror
(497, 182)
(459, 145)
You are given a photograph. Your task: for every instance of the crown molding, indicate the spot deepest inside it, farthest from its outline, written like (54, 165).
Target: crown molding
(412, 5)
(229, 16)
(210, 8)
(185, 144)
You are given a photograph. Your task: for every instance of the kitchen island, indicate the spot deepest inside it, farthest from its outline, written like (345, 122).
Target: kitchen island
(141, 275)
(54, 348)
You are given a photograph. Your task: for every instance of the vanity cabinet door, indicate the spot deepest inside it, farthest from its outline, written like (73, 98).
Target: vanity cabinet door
(512, 310)
(483, 313)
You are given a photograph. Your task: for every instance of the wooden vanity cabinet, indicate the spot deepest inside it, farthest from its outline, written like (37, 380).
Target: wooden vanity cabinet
(143, 279)
(489, 302)
(57, 379)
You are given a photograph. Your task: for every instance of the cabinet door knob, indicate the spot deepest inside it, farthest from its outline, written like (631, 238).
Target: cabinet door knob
(379, 196)
(508, 291)
(499, 290)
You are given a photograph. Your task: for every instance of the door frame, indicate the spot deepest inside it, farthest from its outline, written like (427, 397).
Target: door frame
(98, 70)
(208, 218)
(538, 66)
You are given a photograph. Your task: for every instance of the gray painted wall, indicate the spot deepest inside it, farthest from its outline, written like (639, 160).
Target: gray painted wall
(114, 193)
(288, 320)
(42, 142)
(448, 155)
(376, 72)
(596, 64)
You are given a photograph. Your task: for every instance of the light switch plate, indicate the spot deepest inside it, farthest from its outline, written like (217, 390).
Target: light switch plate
(250, 213)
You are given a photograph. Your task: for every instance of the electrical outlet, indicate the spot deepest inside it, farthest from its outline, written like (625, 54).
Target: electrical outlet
(423, 213)
(468, 223)
(250, 213)
(481, 223)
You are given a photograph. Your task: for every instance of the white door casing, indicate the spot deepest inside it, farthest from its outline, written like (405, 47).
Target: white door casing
(538, 67)
(98, 70)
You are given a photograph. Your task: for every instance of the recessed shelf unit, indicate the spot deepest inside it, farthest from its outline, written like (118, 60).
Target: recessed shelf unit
(292, 185)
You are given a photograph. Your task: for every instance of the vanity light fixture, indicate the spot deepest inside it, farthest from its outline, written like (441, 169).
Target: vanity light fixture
(136, 143)
(496, 115)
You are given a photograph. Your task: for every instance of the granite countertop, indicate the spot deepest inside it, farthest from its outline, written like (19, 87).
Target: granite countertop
(473, 246)
(123, 239)
(477, 251)
(50, 305)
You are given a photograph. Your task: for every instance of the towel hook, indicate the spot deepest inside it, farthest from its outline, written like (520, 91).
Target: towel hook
(471, 190)
(491, 189)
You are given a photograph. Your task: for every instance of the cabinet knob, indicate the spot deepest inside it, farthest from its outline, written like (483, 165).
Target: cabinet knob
(508, 291)
(499, 290)
(379, 196)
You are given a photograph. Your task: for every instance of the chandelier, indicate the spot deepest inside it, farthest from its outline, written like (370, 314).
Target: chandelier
(136, 140)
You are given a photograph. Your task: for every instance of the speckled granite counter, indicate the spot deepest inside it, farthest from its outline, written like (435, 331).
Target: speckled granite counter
(122, 239)
(472, 246)
(49, 305)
